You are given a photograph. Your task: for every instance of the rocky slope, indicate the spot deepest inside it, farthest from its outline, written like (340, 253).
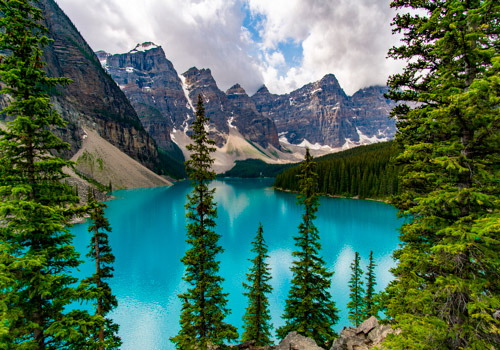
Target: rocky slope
(321, 114)
(92, 99)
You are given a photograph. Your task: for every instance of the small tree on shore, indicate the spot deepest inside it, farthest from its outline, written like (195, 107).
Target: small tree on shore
(356, 305)
(204, 304)
(105, 336)
(256, 318)
(370, 309)
(309, 308)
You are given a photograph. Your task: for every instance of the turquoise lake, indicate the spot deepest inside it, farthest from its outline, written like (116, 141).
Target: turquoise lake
(148, 240)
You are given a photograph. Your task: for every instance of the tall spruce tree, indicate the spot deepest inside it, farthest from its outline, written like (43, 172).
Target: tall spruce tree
(309, 308)
(447, 286)
(370, 307)
(105, 335)
(204, 304)
(356, 305)
(37, 257)
(256, 318)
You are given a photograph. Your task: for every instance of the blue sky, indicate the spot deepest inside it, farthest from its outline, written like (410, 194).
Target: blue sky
(284, 44)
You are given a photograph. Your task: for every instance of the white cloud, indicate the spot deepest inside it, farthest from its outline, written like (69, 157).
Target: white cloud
(201, 33)
(347, 38)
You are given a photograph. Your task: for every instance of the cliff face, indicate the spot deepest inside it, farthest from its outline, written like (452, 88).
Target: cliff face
(200, 82)
(154, 89)
(93, 98)
(255, 127)
(322, 113)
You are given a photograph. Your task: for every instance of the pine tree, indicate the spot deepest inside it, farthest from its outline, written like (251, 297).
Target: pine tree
(309, 309)
(37, 256)
(447, 286)
(105, 336)
(256, 318)
(356, 305)
(204, 304)
(370, 307)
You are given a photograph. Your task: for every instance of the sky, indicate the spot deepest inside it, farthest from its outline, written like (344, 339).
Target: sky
(283, 44)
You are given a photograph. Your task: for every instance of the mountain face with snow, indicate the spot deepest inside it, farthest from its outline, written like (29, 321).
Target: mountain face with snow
(321, 113)
(153, 87)
(165, 101)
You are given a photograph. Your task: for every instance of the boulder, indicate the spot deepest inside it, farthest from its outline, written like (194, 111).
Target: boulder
(366, 336)
(294, 341)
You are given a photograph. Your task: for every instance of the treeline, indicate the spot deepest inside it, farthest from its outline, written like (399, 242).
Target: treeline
(364, 172)
(251, 168)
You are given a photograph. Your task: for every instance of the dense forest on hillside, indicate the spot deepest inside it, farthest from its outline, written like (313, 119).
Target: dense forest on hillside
(250, 168)
(364, 172)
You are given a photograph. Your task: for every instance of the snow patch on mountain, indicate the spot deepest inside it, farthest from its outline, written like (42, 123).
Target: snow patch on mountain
(316, 146)
(366, 140)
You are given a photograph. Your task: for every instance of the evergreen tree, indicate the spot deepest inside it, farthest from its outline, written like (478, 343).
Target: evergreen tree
(37, 256)
(105, 336)
(309, 309)
(256, 318)
(204, 304)
(356, 305)
(370, 307)
(447, 286)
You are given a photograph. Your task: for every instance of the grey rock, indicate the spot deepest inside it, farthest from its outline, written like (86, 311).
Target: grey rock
(366, 336)
(368, 325)
(294, 341)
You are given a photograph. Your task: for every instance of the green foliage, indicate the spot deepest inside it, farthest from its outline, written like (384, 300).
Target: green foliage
(37, 256)
(447, 279)
(104, 336)
(309, 309)
(256, 318)
(204, 304)
(172, 163)
(370, 299)
(255, 168)
(364, 172)
(356, 305)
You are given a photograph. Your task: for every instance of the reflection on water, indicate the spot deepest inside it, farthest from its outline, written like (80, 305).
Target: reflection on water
(148, 240)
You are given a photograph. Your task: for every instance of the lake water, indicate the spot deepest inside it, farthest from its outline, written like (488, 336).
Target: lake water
(148, 240)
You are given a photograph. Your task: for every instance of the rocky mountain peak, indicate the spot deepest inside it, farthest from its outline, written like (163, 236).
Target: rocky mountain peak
(236, 90)
(200, 77)
(263, 90)
(146, 46)
(329, 79)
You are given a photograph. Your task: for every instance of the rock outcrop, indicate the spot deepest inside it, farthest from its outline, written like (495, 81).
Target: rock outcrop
(366, 336)
(93, 98)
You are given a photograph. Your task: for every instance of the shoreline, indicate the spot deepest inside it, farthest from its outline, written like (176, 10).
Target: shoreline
(337, 196)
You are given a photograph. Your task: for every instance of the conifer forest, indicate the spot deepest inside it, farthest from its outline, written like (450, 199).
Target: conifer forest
(441, 172)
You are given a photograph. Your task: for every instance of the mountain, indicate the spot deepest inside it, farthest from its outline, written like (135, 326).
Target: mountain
(165, 102)
(321, 114)
(153, 87)
(92, 100)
